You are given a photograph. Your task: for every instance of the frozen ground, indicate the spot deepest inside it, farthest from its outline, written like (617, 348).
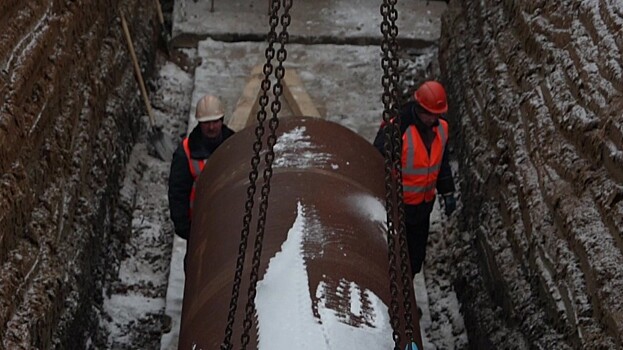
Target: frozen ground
(133, 310)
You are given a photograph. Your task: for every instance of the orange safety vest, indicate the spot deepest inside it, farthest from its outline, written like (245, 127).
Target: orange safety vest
(419, 169)
(196, 167)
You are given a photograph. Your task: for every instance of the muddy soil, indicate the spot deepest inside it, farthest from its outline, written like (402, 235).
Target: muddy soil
(68, 119)
(536, 90)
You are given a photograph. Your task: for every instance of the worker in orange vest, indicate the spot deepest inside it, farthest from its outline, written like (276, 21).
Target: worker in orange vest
(425, 167)
(190, 158)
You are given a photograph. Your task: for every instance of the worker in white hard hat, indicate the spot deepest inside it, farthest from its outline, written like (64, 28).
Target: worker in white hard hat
(190, 158)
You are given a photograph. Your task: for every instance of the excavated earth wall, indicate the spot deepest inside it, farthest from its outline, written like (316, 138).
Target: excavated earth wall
(69, 116)
(536, 92)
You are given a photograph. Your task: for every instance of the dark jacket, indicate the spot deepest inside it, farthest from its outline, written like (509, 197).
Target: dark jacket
(408, 116)
(181, 180)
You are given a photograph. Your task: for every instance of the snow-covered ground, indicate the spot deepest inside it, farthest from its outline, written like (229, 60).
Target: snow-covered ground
(134, 304)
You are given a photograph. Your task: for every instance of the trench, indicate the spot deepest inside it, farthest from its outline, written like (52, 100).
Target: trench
(533, 256)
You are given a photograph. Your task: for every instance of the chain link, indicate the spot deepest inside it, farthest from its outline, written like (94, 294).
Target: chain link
(275, 6)
(389, 148)
(268, 172)
(397, 164)
(393, 172)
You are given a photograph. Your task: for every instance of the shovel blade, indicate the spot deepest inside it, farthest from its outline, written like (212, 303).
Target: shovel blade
(162, 145)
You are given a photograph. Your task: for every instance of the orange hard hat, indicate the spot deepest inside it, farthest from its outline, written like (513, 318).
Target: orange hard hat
(432, 97)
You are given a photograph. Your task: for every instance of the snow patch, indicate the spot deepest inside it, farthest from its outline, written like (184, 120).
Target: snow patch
(294, 149)
(283, 294)
(370, 206)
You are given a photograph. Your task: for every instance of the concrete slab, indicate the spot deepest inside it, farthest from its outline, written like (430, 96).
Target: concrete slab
(343, 81)
(313, 21)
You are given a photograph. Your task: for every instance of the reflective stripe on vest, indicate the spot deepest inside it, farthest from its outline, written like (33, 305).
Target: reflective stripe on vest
(419, 169)
(196, 167)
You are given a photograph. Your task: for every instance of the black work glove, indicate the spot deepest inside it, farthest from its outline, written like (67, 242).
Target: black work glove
(449, 203)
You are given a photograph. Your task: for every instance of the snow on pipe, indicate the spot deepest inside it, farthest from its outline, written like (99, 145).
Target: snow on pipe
(323, 281)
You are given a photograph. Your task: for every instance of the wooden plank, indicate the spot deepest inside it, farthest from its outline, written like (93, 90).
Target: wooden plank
(248, 103)
(299, 100)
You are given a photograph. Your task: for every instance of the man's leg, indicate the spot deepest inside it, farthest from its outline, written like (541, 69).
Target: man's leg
(417, 222)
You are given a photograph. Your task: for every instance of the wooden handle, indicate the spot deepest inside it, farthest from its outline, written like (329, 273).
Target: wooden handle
(137, 70)
(160, 15)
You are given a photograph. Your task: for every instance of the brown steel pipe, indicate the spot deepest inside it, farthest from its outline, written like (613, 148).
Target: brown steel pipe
(323, 277)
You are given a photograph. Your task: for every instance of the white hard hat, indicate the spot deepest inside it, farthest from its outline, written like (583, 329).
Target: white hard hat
(209, 108)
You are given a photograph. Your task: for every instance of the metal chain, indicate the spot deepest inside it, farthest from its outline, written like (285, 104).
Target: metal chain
(389, 110)
(253, 174)
(397, 165)
(393, 166)
(268, 172)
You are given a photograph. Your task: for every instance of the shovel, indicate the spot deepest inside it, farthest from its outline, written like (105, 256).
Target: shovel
(163, 146)
(165, 38)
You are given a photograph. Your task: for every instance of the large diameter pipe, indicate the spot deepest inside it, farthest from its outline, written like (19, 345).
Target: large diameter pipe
(323, 277)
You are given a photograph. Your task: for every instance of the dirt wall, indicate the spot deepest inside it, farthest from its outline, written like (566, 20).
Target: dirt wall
(69, 115)
(536, 94)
